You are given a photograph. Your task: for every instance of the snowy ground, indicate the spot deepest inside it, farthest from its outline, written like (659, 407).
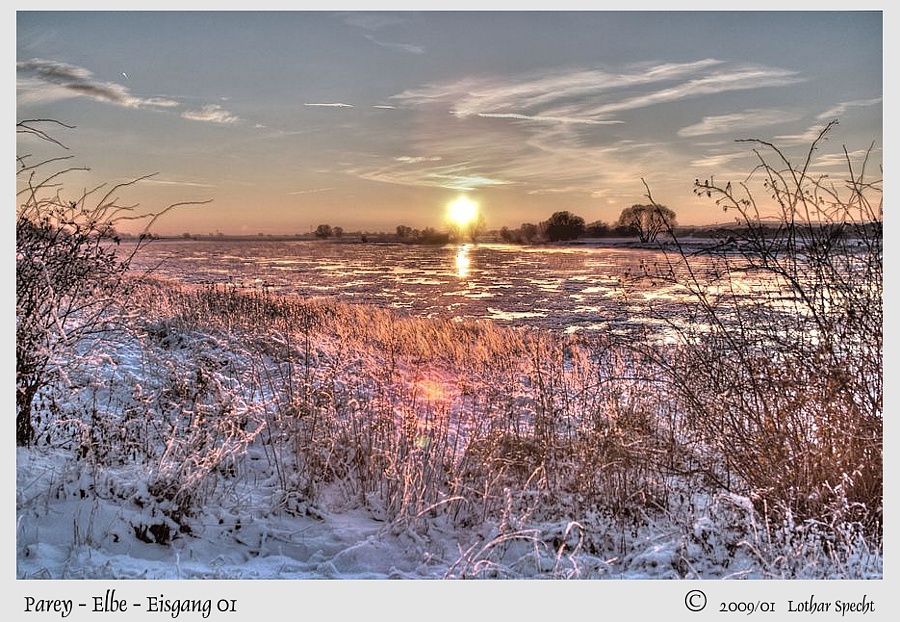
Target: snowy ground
(76, 520)
(69, 529)
(330, 542)
(234, 541)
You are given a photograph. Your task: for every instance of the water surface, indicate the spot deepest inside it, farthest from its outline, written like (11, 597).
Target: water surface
(559, 288)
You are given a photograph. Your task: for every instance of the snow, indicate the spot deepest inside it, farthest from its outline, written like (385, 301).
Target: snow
(98, 520)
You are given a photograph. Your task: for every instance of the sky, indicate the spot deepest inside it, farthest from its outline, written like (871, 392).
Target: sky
(279, 121)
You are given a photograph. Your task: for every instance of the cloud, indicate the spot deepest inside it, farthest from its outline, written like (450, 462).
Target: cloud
(311, 191)
(329, 105)
(804, 138)
(839, 160)
(458, 176)
(718, 160)
(545, 118)
(403, 47)
(729, 123)
(493, 156)
(377, 21)
(739, 79)
(593, 96)
(573, 89)
(42, 80)
(840, 109)
(383, 107)
(212, 113)
(465, 183)
(561, 190)
(565, 131)
(48, 80)
(167, 182)
(417, 159)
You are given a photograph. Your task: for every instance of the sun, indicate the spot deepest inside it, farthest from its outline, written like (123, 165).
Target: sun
(462, 212)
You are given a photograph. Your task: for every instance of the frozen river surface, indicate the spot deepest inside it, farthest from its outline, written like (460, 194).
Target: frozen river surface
(564, 289)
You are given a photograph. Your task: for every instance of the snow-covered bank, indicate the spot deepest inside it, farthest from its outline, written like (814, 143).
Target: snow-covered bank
(341, 442)
(67, 529)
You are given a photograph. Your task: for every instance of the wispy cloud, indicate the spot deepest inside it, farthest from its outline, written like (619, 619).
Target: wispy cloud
(857, 159)
(722, 81)
(565, 131)
(731, 123)
(329, 105)
(804, 138)
(592, 96)
(402, 47)
(170, 182)
(49, 80)
(384, 107)
(43, 80)
(212, 113)
(417, 159)
(423, 171)
(719, 160)
(564, 190)
(542, 159)
(379, 21)
(462, 182)
(840, 109)
(310, 191)
(572, 89)
(546, 118)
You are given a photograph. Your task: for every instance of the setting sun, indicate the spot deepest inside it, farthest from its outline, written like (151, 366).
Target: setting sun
(462, 212)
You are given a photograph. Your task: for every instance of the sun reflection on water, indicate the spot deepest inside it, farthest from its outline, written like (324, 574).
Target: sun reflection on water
(463, 261)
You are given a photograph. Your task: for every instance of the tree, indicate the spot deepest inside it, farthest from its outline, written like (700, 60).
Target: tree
(476, 227)
(563, 226)
(430, 235)
(647, 221)
(70, 271)
(528, 231)
(324, 231)
(470, 230)
(597, 229)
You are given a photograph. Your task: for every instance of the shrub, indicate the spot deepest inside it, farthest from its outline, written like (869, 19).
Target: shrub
(69, 271)
(780, 372)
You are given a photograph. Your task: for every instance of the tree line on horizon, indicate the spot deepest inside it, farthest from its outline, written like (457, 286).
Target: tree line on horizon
(645, 222)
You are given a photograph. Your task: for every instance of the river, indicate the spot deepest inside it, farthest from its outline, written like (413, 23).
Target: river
(565, 289)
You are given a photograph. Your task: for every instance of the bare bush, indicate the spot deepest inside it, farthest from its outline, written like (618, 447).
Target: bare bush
(780, 371)
(68, 268)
